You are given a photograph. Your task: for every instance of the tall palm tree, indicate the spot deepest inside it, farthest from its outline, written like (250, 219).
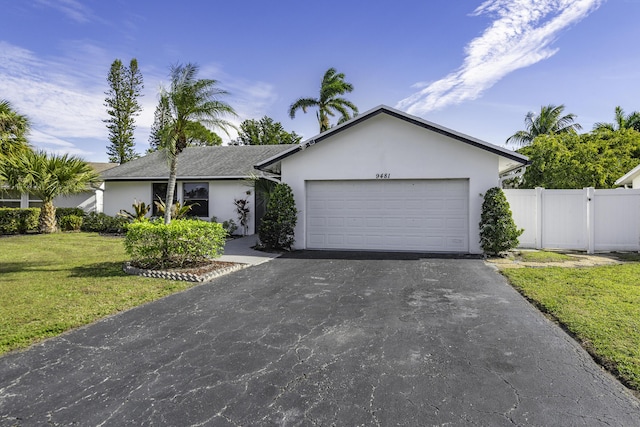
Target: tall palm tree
(622, 121)
(187, 101)
(47, 177)
(329, 102)
(14, 128)
(549, 121)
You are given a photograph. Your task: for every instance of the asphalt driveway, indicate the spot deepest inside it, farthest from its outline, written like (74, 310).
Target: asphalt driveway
(320, 338)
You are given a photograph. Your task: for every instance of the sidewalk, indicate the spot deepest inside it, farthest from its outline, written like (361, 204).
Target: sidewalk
(239, 250)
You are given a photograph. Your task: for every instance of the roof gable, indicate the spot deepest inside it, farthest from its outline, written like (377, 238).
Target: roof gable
(627, 179)
(508, 159)
(217, 162)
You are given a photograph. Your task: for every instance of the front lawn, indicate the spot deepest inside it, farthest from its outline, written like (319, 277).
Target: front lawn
(52, 283)
(599, 305)
(544, 256)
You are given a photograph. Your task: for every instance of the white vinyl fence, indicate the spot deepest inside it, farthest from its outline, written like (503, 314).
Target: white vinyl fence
(586, 220)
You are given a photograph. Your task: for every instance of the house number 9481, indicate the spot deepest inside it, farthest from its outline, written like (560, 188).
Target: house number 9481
(383, 175)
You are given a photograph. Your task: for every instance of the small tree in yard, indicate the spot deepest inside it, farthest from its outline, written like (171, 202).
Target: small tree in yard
(47, 177)
(243, 211)
(498, 231)
(278, 224)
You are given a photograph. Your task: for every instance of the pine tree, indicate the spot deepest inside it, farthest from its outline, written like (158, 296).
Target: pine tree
(197, 134)
(161, 118)
(125, 86)
(279, 222)
(498, 231)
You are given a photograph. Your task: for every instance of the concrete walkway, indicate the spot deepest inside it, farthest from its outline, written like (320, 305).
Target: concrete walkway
(240, 250)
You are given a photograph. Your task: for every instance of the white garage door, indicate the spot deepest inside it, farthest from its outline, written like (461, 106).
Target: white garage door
(397, 215)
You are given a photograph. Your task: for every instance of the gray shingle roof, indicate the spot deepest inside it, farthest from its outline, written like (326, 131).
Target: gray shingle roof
(101, 167)
(197, 162)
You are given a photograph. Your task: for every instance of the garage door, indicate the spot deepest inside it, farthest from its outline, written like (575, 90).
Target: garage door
(396, 215)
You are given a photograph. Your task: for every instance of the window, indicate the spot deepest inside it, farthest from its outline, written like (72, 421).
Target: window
(9, 199)
(160, 193)
(196, 194)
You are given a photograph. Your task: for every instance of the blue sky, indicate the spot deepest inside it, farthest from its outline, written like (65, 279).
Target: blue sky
(471, 65)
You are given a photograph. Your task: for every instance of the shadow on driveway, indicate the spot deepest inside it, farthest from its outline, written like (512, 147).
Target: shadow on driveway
(379, 256)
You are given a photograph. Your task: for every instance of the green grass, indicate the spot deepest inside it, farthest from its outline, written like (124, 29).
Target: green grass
(544, 256)
(52, 283)
(627, 256)
(599, 305)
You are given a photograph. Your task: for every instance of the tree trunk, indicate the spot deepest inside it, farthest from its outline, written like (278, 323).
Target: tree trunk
(323, 119)
(171, 186)
(47, 220)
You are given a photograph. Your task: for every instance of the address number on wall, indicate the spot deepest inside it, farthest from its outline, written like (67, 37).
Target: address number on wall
(383, 175)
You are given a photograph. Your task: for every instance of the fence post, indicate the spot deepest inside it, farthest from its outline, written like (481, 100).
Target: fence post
(591, 230)
(538, 213)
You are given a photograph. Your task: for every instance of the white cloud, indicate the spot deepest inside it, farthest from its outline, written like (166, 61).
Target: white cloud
(250, 99)
(71, 8)
(62, 100)
(57, 145)
(64, 97)
(520, 36)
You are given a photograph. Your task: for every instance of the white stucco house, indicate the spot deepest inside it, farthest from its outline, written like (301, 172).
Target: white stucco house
(387, 180)
(211, 178)
(631, 179)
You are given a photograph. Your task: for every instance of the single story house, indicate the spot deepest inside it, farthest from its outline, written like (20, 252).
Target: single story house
(89, 200)
(630, 179)
(210, 178)
(387, 180)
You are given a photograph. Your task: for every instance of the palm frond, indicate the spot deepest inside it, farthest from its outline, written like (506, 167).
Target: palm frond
(332, 86)
(302, 104)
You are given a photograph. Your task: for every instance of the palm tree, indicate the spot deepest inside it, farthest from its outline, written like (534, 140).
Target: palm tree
(47, 177)
(622, 121)
(188, 101)
(14, 128)
(329, 102)
(549, 121)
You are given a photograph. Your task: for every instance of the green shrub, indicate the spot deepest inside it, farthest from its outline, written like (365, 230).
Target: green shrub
(180, 243)
(243, 211)
(19, 221)
(103, 223)
(70, 223)
(230, 227)
(62, 212)
(140, 211)
(498, 232)
(178, 211)
(277, 228)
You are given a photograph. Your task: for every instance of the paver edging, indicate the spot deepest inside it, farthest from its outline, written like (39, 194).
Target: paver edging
(177, 275)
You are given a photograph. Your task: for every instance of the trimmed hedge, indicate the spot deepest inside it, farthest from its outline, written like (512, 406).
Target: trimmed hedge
(22, 221)
(62, 212)
(103, 223)
(178, 244)
(70, 223)
(19, 221)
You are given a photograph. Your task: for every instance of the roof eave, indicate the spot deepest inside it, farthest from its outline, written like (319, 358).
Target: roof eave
(512, 155)
(179, 178)
(627, 178)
